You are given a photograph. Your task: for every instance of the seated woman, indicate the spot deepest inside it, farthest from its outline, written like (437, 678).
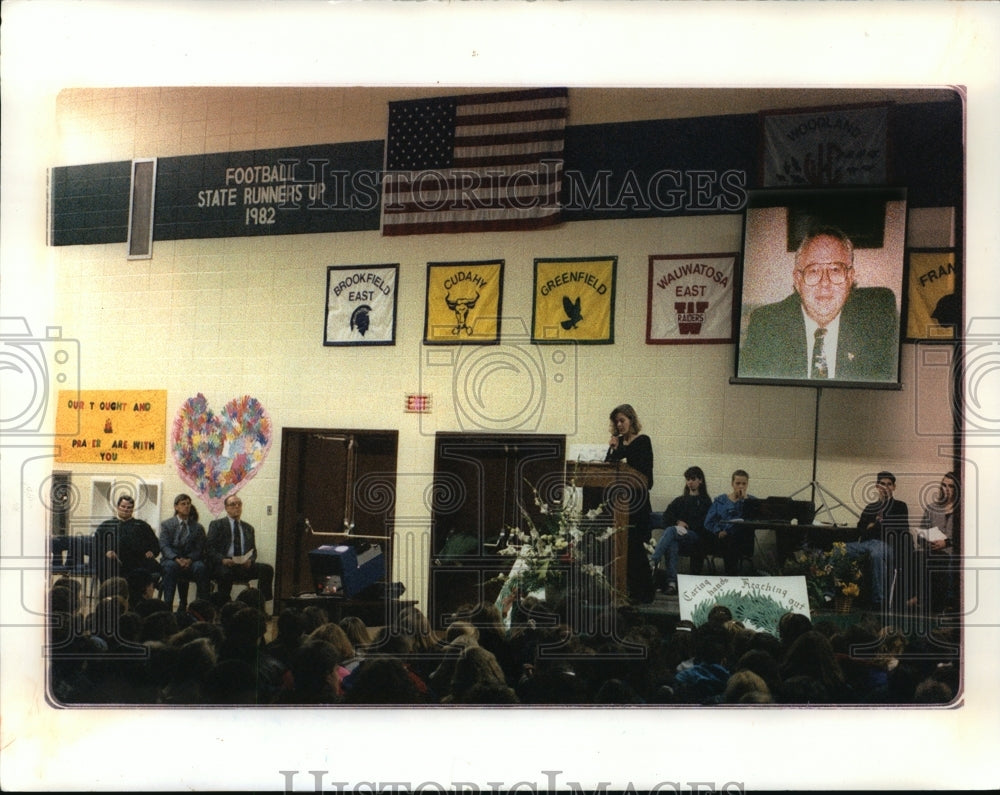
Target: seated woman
(723, 522)
(937, 550)
(685, 528)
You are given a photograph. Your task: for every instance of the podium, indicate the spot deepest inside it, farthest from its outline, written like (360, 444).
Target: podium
(617, 482)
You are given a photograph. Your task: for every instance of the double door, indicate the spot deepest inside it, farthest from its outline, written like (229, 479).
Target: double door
(483, 484)
(337, 485)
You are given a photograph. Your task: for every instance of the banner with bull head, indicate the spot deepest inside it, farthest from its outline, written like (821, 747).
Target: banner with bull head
(463, 303)
(574, 300)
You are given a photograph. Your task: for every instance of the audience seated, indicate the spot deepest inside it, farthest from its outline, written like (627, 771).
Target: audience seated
(111, 655)
(746, 687)
(195, 659)
(289, 636)
(705, 681)
(811, 655)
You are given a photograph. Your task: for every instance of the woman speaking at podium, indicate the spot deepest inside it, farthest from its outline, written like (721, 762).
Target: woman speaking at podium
(628, 444)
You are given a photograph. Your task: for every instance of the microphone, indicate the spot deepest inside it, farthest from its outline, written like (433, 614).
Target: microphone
(611, 448)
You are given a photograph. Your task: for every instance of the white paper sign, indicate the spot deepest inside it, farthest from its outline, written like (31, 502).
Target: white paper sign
(756, 602)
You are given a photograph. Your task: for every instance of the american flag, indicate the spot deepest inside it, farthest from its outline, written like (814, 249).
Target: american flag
(474, 163)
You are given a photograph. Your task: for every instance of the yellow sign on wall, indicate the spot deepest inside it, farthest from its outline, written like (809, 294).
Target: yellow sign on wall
(127, 426)
(574, 300)
(463, 302)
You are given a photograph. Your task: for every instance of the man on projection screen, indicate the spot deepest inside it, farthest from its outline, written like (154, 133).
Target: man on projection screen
(828, 328)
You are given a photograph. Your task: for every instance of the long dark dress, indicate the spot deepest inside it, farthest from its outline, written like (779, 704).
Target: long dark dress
(639, 455)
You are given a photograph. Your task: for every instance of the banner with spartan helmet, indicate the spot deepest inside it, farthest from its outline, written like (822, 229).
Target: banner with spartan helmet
(463, 303)
(690, 298)
(361, 305)
(574, 300)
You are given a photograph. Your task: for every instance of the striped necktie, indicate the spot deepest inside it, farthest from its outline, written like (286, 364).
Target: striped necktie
(819, 368)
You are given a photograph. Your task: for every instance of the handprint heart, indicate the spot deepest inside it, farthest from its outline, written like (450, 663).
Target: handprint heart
(218, 455)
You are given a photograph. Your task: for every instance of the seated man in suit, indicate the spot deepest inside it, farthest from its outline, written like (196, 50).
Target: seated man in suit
(828, 327)
(182, 551)
(230, 540)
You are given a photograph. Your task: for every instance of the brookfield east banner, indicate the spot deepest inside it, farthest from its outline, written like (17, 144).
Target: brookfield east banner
(112, 426)
(690, 298)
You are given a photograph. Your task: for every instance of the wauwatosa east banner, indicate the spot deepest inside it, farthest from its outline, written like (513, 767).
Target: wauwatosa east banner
(690, 298)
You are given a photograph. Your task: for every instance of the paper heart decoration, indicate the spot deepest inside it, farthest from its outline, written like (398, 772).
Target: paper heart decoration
(217, 455)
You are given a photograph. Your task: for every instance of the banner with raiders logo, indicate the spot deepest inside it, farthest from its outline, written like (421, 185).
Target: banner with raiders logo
(690, 298)
(361, 305)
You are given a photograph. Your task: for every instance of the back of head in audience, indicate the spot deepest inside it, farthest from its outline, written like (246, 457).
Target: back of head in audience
(314, 669)
(383, 680)
(202, 610)
(474, 666)
(251, 597)
(742, 683)
(357, 632)
(336, 637)
(230, 682)
(791, 625)
(720, 614)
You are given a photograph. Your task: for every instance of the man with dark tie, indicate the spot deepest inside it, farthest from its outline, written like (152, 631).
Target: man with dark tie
(884, 528)
(828, 327)
(232, 552)
(182, 553)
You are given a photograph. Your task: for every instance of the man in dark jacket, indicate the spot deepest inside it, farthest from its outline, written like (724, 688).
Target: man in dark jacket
(884, 528)
(125, 544)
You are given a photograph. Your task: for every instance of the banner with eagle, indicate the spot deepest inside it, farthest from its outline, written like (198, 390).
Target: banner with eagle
(574, 300)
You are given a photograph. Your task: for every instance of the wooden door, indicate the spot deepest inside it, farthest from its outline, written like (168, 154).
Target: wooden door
(335, 484)
(482, 483)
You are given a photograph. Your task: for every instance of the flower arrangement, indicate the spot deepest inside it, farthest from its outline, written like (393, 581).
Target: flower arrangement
(828, 573)
(560, 548)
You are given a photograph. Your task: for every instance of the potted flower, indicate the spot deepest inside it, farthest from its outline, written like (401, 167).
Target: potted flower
(558, 554)
(831, 576)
